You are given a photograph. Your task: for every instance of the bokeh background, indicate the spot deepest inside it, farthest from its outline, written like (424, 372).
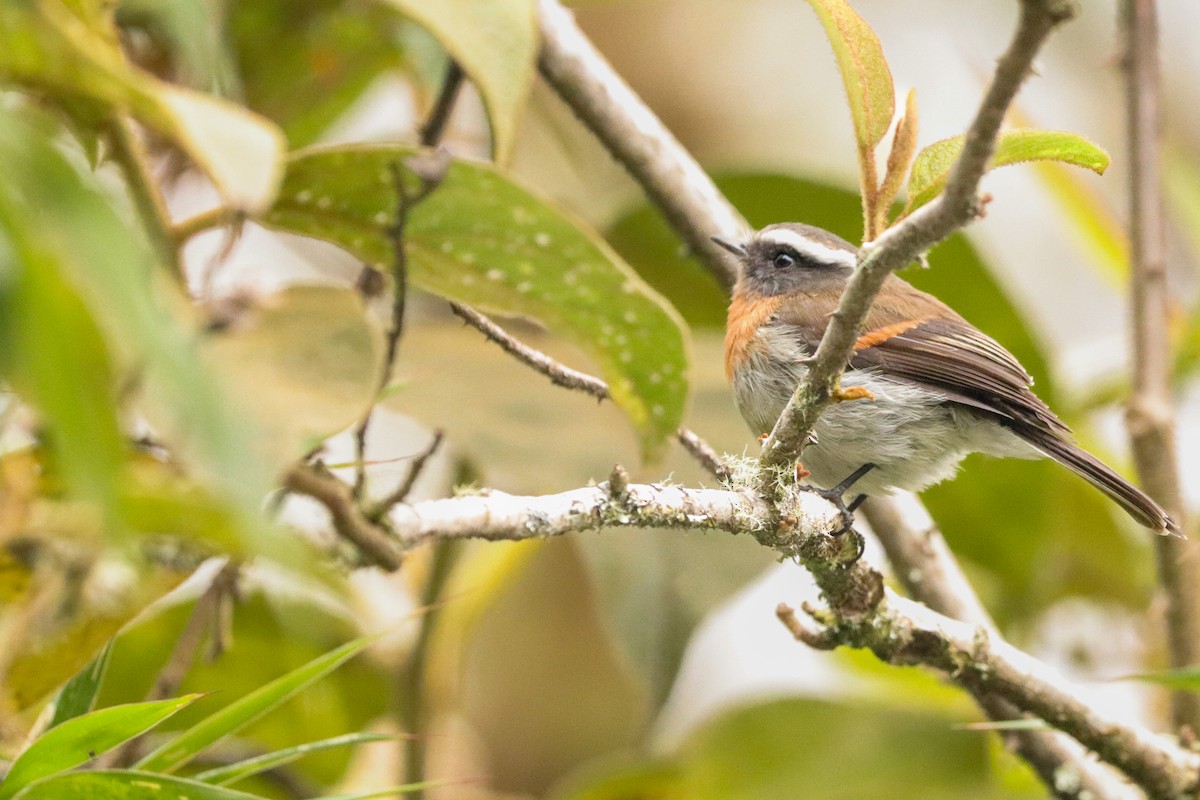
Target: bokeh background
(650, 664)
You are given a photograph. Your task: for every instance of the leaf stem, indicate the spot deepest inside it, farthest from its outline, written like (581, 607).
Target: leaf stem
(204, 221)
(130, 154)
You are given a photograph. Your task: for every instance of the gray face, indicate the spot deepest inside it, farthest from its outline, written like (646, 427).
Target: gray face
(790, 257)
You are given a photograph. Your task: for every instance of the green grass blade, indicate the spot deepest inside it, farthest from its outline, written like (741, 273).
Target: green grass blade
(78, 696)
(232, 773)
(79, 740)
(127, 785)
(241, 713)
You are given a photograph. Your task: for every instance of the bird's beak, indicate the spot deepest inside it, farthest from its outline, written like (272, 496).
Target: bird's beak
(732, 246)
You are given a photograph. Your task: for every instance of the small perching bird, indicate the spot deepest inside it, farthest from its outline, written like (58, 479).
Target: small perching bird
(939, 389)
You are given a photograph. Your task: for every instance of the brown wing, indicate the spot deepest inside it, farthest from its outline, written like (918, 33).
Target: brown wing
(913, 336)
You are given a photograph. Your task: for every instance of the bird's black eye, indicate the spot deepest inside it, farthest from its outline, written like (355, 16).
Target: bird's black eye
(783, 260)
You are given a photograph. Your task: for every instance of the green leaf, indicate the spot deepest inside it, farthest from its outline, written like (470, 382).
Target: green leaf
(127, 785)
(242, 712)
(798, 748)
(75, 238)
(932, 165)
(1184, 678)
(79, 740)
(496, 44)
(309, 349)
(51, 347)
(78, 696)
(79, 64)
(865, 72)
(193, 33)
(304, 64)
(482, 239)
(232, 773)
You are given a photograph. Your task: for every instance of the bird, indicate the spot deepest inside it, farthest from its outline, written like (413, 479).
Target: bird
(936, 387)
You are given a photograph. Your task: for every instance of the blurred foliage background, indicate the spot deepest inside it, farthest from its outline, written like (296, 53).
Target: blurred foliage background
(617, 665)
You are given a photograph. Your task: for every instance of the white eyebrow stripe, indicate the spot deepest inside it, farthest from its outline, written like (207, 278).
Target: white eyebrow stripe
(810, 249)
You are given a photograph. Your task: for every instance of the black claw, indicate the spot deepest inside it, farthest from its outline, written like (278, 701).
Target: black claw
(853, 505)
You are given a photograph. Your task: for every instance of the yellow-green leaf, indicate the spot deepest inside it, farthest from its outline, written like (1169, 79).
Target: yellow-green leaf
(483, 239)
(79, 740)
(80, 66)
(496, 43)
(933, 164)
(311, 350)
(865, 72)
(240, 713)
(127, 785)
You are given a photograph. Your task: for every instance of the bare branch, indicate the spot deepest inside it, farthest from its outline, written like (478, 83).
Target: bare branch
(559, 374)
(401, 492)
(562, 375)
(899, 631)
(586, 81)
(902, 631)
(928, 571)
(374, 542)
(901, 245)
(1150, 417)
(638, 140)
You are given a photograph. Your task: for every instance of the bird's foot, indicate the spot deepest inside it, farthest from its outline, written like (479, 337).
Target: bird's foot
(835, 495)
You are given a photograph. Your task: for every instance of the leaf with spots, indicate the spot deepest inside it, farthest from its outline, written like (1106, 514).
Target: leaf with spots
(482, 239)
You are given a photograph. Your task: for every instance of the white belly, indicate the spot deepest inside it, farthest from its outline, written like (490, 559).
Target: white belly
(912, 435)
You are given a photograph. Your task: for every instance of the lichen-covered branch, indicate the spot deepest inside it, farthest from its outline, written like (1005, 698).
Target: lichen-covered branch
(902, 244)
(928, 571)
(1150, 415)
(695, 209)
(804, 526)
(904, 632)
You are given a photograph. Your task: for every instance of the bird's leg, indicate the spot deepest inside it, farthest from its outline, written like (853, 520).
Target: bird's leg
(834, 495)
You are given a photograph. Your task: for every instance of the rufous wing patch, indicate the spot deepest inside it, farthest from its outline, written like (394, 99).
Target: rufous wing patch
(746, 315)
(881, 335)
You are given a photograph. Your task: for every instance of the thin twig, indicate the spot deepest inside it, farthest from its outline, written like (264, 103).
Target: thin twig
(957, 206)
(668, 174)
(672, 179)
(562, 375)
(439, 117)
(204, 620)
(401, 492)
(559, 374)
(406, 200)
(373, 542)
(1150, 418)
(130, 154)
(204, 221)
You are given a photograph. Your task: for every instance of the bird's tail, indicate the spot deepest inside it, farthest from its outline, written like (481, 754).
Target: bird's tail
(1135, 502)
